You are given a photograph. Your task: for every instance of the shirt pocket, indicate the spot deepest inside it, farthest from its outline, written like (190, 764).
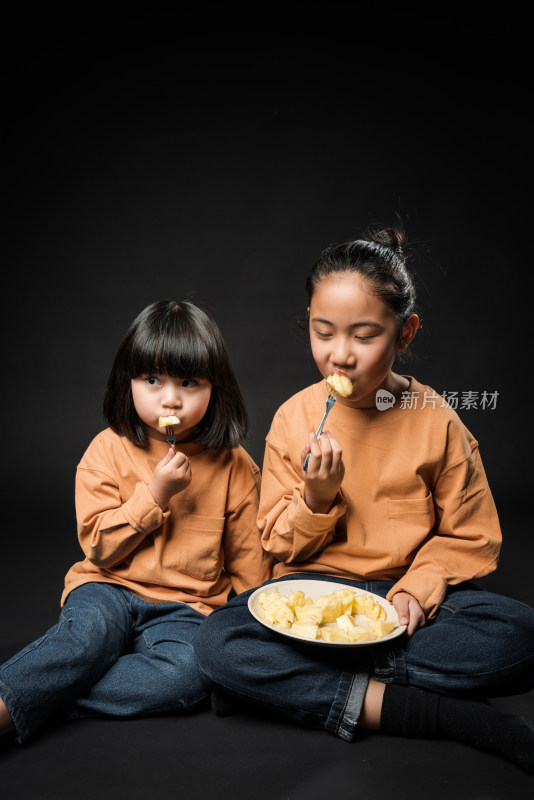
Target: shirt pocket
(201, 553)
(411, 521)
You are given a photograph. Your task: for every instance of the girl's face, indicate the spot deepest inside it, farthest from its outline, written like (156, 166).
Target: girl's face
(353, 332)
(156, 396)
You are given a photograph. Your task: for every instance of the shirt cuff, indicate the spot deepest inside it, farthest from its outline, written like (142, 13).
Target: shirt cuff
(304, 520)
(141, 510)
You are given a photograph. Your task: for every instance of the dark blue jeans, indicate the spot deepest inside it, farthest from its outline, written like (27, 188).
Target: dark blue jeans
(111, 654)
(480, 643)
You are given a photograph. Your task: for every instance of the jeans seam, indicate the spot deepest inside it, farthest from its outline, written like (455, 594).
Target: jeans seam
(342, 712)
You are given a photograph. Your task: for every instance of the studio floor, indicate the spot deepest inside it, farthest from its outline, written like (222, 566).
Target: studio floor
(243, 757)
(247, 757)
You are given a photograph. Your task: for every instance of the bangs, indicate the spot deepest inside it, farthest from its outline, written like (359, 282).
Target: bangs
(179, 350)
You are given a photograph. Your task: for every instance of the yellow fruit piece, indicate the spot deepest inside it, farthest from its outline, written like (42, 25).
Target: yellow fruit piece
(296, 599)
(279, 613)
(307, 629)
(346, 598)
(365, 604)
(309, 614)
(340, 384)
(170, 420)
(345, 622)
(264, 598)
(374, 610)
(359, 634)
(380, 627)
(331, 606)
(333, 635)
(358, 604)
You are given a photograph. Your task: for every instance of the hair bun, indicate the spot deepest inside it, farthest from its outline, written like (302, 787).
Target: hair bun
(394, 238)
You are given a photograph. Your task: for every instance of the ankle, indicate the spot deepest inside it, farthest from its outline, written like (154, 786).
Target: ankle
(6, 721)
(372, 706)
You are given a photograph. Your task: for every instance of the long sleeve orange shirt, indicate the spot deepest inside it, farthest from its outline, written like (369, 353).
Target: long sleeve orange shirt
(204, 543)
(414, 506)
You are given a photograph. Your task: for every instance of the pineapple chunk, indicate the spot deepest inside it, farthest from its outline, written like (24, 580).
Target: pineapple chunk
(373, 610)
(365, 604)
(345, 622)
(331, 606)
(279, 613)
(340, 384)
(380, 627)
(346, 598)
(309, 614)
(296, 599)
(358, 604)
(307, 629)
(169, 420)
(333, 635)
(267, 597)
(360, 634)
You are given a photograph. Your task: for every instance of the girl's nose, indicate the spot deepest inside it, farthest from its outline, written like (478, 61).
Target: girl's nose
(343, 354)
(173, 397)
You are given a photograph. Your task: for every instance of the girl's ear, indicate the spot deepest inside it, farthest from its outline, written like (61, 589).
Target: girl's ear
(409, 329)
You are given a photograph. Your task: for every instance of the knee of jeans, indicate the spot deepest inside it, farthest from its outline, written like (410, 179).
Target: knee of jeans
(522, 617)
(92, 625)
(508, 624)
(515, 617)
(180, 683)
(213, 642)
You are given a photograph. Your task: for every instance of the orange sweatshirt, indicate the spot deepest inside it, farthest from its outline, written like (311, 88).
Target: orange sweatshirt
(205, 542)
(414, 505)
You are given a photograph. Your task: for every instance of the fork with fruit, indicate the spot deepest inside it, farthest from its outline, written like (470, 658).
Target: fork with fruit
(168, 423)
(339, 384)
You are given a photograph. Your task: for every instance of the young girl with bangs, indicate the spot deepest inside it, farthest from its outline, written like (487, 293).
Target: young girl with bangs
(392, 500)
(167, 532)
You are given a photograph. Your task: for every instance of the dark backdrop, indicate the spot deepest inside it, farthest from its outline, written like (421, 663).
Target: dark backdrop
(212, 159)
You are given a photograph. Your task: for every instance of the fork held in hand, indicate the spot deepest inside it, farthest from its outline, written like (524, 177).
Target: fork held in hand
(330, 400)
(169, 433)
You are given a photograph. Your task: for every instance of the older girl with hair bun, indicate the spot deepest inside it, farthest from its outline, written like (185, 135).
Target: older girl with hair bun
(393, 500)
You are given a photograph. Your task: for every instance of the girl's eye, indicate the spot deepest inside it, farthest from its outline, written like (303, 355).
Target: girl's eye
(364, 338)
(189, 383)
(323, 334)
(152, 380)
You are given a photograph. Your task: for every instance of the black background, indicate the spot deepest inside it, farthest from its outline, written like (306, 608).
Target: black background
(211, 157)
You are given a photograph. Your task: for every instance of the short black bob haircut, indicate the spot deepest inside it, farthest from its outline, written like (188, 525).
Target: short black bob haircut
(183, 341)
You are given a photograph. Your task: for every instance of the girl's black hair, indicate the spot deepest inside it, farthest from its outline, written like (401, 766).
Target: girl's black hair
(183, 341)
(379, 259)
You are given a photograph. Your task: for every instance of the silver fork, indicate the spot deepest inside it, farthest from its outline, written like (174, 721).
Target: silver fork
(330, 400)
(169, 433)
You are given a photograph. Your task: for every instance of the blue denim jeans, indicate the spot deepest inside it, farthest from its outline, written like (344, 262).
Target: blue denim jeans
(111, 654)
(479, 644)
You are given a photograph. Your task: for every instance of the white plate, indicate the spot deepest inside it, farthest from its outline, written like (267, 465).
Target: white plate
(315, 589)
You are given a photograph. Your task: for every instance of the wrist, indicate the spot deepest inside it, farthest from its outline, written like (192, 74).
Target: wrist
(161, 498)
(318, 505)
